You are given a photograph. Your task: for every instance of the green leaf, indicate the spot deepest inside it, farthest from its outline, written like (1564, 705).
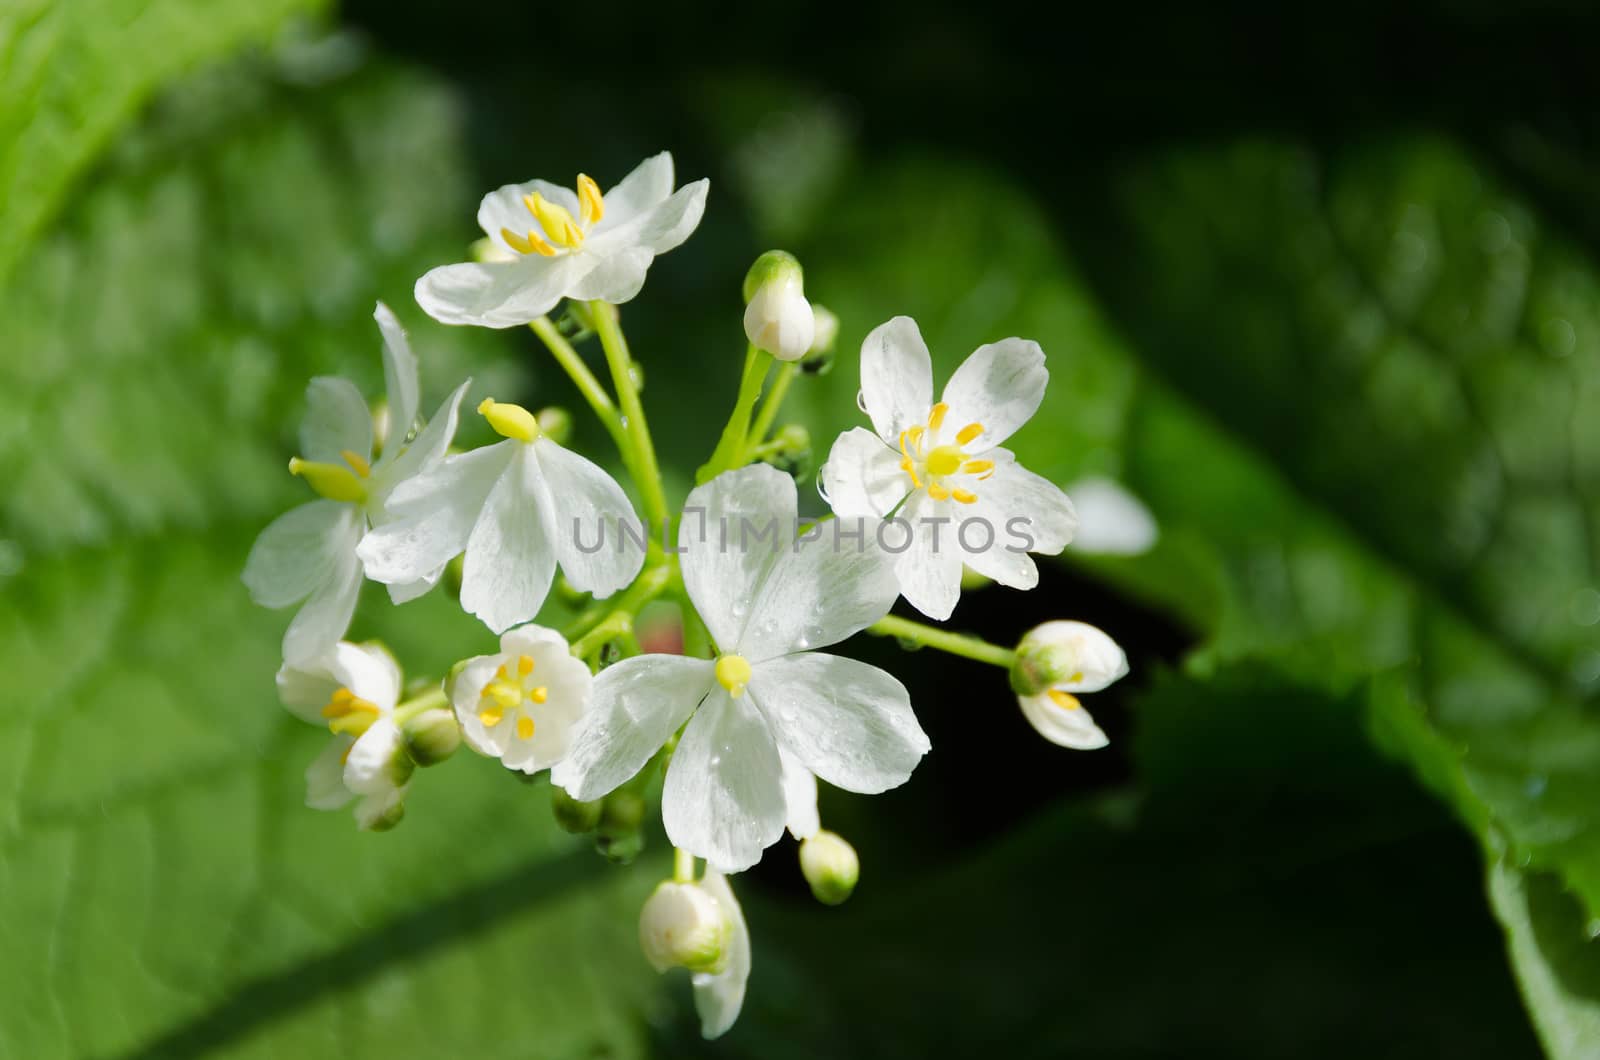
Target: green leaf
(163, 888)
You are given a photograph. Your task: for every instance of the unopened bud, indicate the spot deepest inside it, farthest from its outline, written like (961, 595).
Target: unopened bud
(825, 332)
(623, 813)
(1068, 657)
(620, 850)
(830, 866)
(790, 451)
(682, 925)
(574, 816)
(777, 317)
(556, 423)
(432, 736)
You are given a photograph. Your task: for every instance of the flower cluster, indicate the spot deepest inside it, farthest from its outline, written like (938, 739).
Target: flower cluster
(740, 724)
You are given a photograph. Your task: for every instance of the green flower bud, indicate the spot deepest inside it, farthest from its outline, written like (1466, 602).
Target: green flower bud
(574, 816)
(623, 813)
(830, 866)
(1066, 656)
(432, 736)
(682, 925)
(555, 423)
(777, 317)
(620, 850)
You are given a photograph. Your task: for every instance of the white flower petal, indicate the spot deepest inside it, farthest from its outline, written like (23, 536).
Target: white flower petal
(504, 208)
(586, 504)
(799, 797)
(666, 225)
(723, 566)
(379, 806)
(430, 517)
(337, 419)
(325, 788)
(371, 769)
(849, 723)
(723, 799)
(510, 557)
(634, 707)
(987, 548)
(1066, 726)
(399, 376)
(718, 998)
(646, 187)
(862, 477)
(615, 277)
(465, 690)
(1098, 660)
(405, 592)
(999, 386)
(322, 620)
(896, 377)
(1111, 520)
(833, 587)
(499, 294)
(424, 452)
(296, 553)
(367, 670)
(1014, 492)
(929, 570)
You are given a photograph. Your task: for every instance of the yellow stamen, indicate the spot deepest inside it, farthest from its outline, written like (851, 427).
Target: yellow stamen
(524, 665)
(1064, 700)
(332, 481)
(501, 674)
(979, 467)
(591, 207)
(346, 702)
(506, 695)
(733, 673)
(910, 469)
(357, 462)
(938, 492)
(969, 432)
(540, 694)
(510, 421)
(964, 496)
(945, 460)
(936, 416)
(558, 223)
(906, 463)
(491, 716)
(524, 728)
(529, 244)
(354, 722)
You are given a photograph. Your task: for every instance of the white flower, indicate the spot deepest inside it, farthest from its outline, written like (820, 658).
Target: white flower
(1111, 521)
(353, 689)
(565, 244)
(521, 704)
(1055, 661)
(769, 711)
(309, 553)
(517, 508)
(778, 318)
(962, 498)
(699, 926)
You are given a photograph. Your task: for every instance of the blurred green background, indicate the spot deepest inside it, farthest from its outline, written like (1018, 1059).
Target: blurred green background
(1319, 285)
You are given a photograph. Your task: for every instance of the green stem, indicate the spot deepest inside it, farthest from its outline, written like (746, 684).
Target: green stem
(682, 866)
(587, 384)
(618, 624)
(730, 447)
(962, 644)
(646, 472)
(433, 697)
(773, 402)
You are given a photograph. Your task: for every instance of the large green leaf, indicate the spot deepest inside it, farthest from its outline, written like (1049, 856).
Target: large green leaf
(162, 886)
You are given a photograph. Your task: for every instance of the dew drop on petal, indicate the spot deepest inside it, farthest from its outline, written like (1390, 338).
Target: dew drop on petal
(861, 401)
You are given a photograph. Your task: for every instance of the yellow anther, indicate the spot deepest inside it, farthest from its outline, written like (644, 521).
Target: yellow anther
(507, 696)
(524, 665)
(491, 716)
(357, 462)
(557, 222)
(529, 244)
(1075, 678)
(964, 496)
(591, 207)
(501, 674)
(1064, 700)
(733, 673)
(909, 468)
(333, 481)
(945, 460)
(979, 467)
(539, 695)
(344, 702)
(968, 433)
(936, 416)
(938, 492)
(510, 421)
(354, 722)
(524, 728)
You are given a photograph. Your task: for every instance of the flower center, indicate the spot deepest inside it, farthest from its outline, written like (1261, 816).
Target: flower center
(512, 694)
(349, 713)
(561, 231)
(337, 482)
(508, 420)
(941, 461)
(733, 673)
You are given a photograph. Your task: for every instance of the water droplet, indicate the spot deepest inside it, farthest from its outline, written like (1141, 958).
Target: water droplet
(716, 760)
(861, 401)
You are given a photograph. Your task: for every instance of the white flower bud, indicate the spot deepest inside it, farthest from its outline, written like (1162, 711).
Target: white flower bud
(432, 736)
(1054, 661)
(682, 925)
(830, 866)
(825, 331)
(778, 318)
